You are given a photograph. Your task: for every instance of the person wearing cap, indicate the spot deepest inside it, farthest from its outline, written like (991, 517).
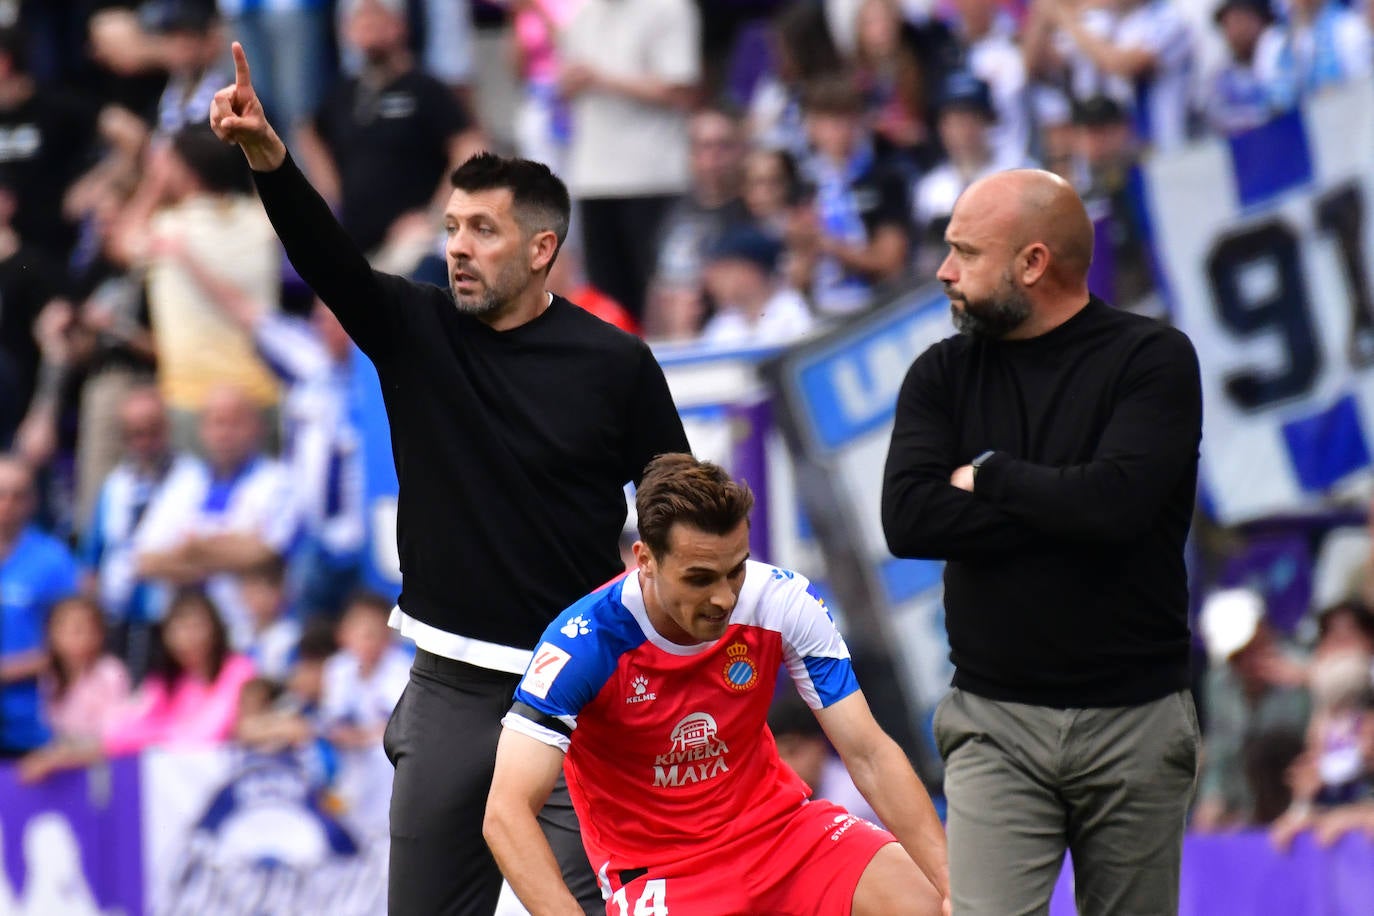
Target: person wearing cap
(1235, 98)
(858, 237)
(752, 307)
(964, 119)
(1105, 150)
(1253, 696)
(1048, 453)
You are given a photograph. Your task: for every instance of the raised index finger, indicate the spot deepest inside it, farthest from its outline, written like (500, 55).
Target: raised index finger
(241, 77)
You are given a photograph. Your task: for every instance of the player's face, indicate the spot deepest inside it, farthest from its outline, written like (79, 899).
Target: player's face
(487, 252)
(690, 591)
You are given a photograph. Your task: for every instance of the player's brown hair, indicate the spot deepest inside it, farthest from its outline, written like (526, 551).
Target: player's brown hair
(679, 489)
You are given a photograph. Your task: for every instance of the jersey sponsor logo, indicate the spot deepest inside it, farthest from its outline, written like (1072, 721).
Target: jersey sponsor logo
(577, 626)
(740, 671)
(641, 692)
(548, 661)
(697, 753)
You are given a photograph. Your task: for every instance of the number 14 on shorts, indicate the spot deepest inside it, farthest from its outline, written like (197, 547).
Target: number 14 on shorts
(653, 901)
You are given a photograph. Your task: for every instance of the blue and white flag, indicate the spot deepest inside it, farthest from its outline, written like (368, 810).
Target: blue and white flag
(1264, 253)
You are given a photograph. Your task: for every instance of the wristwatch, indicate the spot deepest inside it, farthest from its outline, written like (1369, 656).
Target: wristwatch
(977, 463)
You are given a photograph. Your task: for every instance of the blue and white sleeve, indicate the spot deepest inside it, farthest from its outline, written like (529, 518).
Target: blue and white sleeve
(813, 649)
(565, 673)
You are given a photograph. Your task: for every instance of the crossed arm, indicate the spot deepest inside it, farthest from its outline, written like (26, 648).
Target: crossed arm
(198, 557)
(931, 507)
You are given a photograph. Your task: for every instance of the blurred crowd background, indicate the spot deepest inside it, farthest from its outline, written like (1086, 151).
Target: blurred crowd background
(181, 512)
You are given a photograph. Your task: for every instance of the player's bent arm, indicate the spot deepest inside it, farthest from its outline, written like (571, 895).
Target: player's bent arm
(884, 776)
(526, 770)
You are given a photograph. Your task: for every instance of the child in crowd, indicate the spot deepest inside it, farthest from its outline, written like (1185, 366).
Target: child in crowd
(1335, 769)
(192, 692)
(84, 690)
(362, 684)
(272, 643)
(190, 696)
(85, 687)
(276, 715)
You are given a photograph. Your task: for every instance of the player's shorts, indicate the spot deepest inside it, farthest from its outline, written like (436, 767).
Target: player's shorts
(809, 866)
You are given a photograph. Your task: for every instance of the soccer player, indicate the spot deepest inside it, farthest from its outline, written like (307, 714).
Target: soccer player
(657, 689)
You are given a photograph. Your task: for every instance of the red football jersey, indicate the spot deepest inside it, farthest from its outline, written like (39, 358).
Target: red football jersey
(669, 753)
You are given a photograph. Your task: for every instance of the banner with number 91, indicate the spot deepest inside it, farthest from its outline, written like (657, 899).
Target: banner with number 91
(1265, 252)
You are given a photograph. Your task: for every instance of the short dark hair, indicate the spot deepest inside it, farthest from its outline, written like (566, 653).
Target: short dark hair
(724, 106)
(678, 488)
(318, 640)
(219, 167)
(1360, 615)
(832, 94)
(541, 199)
(366, 599)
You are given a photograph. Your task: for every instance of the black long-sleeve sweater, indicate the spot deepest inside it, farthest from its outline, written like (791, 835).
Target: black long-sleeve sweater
(512, 448)
(1065, 583)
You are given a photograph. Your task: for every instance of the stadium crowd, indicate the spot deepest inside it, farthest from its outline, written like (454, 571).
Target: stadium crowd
(181, 511)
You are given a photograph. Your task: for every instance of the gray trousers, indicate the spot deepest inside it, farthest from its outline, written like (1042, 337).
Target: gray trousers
(1025, 783)
(442, 740)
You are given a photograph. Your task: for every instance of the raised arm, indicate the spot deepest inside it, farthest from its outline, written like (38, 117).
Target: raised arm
(526, 770)
(318, 247)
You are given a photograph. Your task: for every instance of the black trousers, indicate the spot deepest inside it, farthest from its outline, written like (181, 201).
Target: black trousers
(620, 244)
(442, 740)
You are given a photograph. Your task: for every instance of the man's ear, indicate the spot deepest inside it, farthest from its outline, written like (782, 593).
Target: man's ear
(1035, 262)
(543, 246)
(644, 557)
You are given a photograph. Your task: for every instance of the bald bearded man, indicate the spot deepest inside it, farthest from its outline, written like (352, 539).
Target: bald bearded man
(1049, 453)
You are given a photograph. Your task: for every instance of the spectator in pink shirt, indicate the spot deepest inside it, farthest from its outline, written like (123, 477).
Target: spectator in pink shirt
(85, 688)
(83, 691)
(191, 695)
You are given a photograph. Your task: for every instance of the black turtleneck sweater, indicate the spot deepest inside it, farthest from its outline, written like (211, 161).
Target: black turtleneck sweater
(512, 448)
(1065, 583)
